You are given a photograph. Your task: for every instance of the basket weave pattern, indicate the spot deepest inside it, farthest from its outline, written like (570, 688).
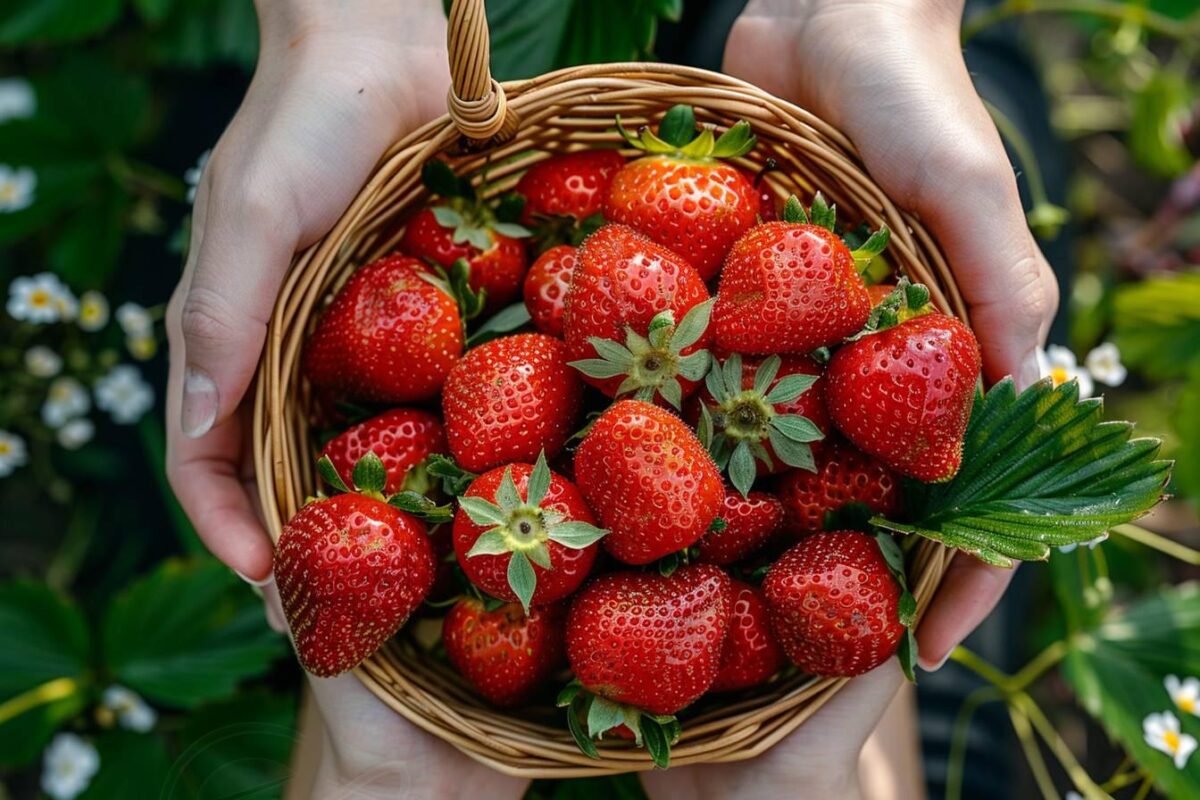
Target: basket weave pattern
(506, 128)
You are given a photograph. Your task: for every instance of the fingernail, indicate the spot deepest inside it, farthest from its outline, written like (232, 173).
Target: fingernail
(257, 584)
(200, 401)
(929, 667)
(1030, 372)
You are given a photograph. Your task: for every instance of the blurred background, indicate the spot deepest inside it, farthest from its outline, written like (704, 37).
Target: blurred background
(131, 661)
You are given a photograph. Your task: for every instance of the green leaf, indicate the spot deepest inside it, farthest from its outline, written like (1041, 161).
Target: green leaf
(714, 381)
(505, 320)
(732, 369)
(671, 391)
(742, 469)
(1155, 132)
(512, 230)
(568, 693)
(482, 512)
(470, 302)
(678, 125)
(204, 33)
(790, 387)
(575, 534)
(735, 142)
(598, 368)
(691, 327)
(369, 473)
(766, 373)
(656, 742)
(421, 507)
(1039, 470)
(1156, 325)
(1187, 428)
(330, 475)
(189, 631)
(603, 715)
(797, 428)
(131, 765)
(694, 366)
(153, 11)
(791, 452)
(489, 543)
(704, 427)
(56, 20)
(614, 352)
(521, 579)
(907, 653)
(507, 495)
(448, 217)
(821, 213)
(439, 178)
(793, 211)
(580, 706)
(455, 480)
(540, 555)
(86, 249)
(539, 482)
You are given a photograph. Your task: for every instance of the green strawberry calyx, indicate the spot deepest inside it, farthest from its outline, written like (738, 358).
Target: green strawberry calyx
(524, 528)
(735, 429)
(590, 716)
(677, 136)
(369, 477)
(824, 215)
(654, 363)
(894, 556)
(907, 301)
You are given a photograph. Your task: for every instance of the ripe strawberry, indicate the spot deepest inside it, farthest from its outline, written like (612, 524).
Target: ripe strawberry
(903, 392)
(792, 286)
(748, 523)
(568, 185)
(843, 476)
(750, 655)
(759, 417)
(524, 533)
(402, 438)
(546, 286)
(649, 479)
(625, 288)
(390, 336)
(509, 400)
(644, 646)
(680, 195)
(878, 292)
(505, 654)
(350, 571)
(767, 210)
(834, 605)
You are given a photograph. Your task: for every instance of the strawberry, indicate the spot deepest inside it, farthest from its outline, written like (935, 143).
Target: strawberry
(402, 438)
(390, 336)
(625, 288)
(546, 286)
(878, 292)
(903, 391)
(649, 480)
(843, 476)
(834, 605)
(792, 286)
(568, 185)
(747, 524)
(504, 653)
(760, 417)
(767, 210)
(509, 400)
(524, 533)
(463, 227)
(642, 647)
(750, 655)
(681, 195)
(350, 570)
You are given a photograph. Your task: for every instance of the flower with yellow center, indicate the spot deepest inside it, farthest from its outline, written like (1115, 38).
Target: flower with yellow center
(17, 185)
(1162, 732)
(93, 311)
(1060, 365)
(40, 299)
(12, 453)
(142, 348)
(1185, 694)
(1104, 364)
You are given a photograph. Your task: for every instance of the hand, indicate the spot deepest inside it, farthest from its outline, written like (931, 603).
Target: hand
(336, 84)
(890, 74)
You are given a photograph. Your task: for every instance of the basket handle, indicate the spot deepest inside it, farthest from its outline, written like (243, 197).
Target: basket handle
(476, 101)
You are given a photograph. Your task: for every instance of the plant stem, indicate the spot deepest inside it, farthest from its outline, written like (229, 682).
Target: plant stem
(1160, 543)
(983, 669)
(1121, 781)
(1028, 163)
(1144, 790)
(1152, 21)
(1037, 666)
(1083, 782)
(956, 762)
(1037, 764)
(49, 692)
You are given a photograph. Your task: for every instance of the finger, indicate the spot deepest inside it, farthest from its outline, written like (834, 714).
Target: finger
(968, 593)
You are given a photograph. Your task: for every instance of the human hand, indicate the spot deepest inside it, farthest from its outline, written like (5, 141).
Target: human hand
(335, 85)
(890, 74)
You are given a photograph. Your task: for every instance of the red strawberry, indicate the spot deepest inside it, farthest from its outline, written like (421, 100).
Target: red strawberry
(904, 392)
(834, 604)
(843, 476)
(878, 292)
(509, 400)
(350, 571)
(506, 655)
(568, 185)
(649, 479)
(546, 286)
(390, 336)
(524, 533)
(402, 438)
(750, 655)
(496, 262)
(641, 642)
(749, 523)
(792, 286)
(628, 304)
(761, 416)
(767, 209)
(680, 195)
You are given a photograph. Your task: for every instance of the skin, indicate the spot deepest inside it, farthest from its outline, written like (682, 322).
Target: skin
(303, 143)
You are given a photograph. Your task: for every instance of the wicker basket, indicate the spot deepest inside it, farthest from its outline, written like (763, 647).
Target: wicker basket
(508, 127)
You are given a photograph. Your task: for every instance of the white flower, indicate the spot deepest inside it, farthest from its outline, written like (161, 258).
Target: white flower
(1185, 694)
(17, 186)
(40, 299)
(134, 319)
(124, 394)
(1104, 362)
(12, 453)
(1059, 364)
(17, 100)
(66, 400)
(1072, 795)
(1162, 732)
(1089, 544)
(142, 348)
(131, 710)
(42, 362)
(68, 766)
(76, 433)
(193, 175)
(93, 311)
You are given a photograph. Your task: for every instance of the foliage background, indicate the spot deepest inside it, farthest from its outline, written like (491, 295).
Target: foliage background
(94, 549)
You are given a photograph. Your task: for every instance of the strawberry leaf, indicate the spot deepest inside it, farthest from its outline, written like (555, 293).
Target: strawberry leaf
(656, 741)
(448, 217)
(568, 693)
(330, 474)
(540, 555)
(481, 512)
(505, 320)
(822, 214)
(765, 374)
(421, 507)
(489, 543)
(1040, 470)
(790, 451)
(580, 706)
(742, 469)
(439, 178)
(735, 142)
(576, 534)
(691, 327)
(521, 579)
(370, 476)
(671, 391)
(510, 229)
(678, 126)
(539, 482)
(506, 493)
(603, 715)
(789, 388)
(797, 428)
(793, 211)
(907, 654)
(454, 478)
(694, 366)
(509, 207)
(470, 302)
(894, 556)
